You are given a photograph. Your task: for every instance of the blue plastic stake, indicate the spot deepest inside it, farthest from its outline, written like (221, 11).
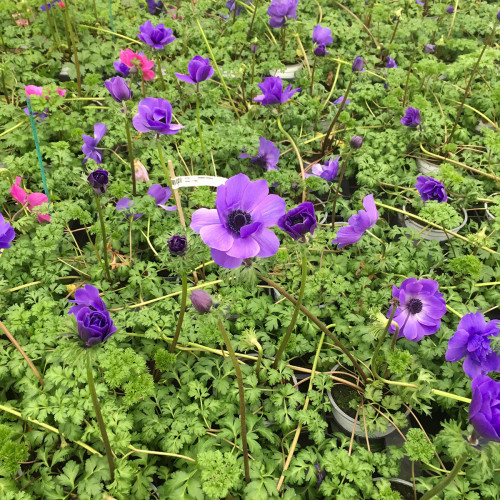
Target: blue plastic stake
(111, 20)
(37, 146)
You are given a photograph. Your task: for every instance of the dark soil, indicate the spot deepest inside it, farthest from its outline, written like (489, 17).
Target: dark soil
(343, 395)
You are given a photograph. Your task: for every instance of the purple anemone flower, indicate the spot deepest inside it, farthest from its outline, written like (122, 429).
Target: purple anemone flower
(411, 117)
(154, 8)
(125, 204)
(484, 409)
(98, 181)
(89, 148)
(231, 4)
(429, 48)
(122, 68)
(391, 63)
(92, 317)
(419, 2)
(161, 195)
(328, 171)
(155, 36)
(7, 234)
(321, 37)
(280, 11)
(472, 340)
(339, 101)
(155, 115)
(177, 245)
(118, 89)
(450, 9)
(238, 228)
(358, 64)
(199, 70)
(267, 156)
(420, 309)
(358, 223)
(273, 93)
(299, 221)
(430, 189)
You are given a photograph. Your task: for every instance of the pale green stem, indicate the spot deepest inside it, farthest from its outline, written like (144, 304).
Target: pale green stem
(130, 151)
(104, 238)
(207, 168)
(341, 177)
(75, 51)
(181, 313)
(447, 480)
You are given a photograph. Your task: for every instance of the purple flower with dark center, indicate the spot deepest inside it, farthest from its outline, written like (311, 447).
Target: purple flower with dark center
(356, 141)
(358, 223)
(177, 245)
(430, 189)
(358, 63)
(98, 181)
(125, 204)
(118, 89)
(155, 36)
(238, 228)
(267, 156)
(92, 317)
(339, 101)
(429, 48)
(321, 37)
(273, 93)
(161, 196)
(154, 8)
(299, 221)
(155, 115)
(7, 234)
(450, 9)
(420, 309)
(328, 171)
(472, 340)
(280, 11)
(484, 409)
(411, 117)
(122, 68)
(391, 63)
(89, 148)
(201, 300)
(199, 70)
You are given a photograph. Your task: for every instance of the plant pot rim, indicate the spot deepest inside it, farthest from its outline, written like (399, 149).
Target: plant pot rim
(455, 229)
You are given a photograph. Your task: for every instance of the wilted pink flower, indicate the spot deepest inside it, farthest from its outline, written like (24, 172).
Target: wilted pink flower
(141, 174)
(31, 200)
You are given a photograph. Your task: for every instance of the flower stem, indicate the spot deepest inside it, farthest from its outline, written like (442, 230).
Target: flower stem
(49, 19)
(181, 313)
(312, 76)
(251, 79)
(447, 480)
(382, 338)
(379, 240)
(327, 142)
(257, 344)
(158, 62)
(319, 324)
(461, 107)
(130, 152)
(100, 420)
(75, 52)
(207, 168)
(239, 377)
(95, 12)
(395, 29)
(143, 87)
(291, 326)
(249, 34)
(341, 177)
(111, 20)
(104, 238)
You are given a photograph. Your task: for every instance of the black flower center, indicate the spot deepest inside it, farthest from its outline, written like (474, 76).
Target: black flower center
(97, 320)
(296, 219)
(415, 306)
(237, 219)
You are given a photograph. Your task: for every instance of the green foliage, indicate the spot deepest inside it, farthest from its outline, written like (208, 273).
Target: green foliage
(220, 472)
(417, 447)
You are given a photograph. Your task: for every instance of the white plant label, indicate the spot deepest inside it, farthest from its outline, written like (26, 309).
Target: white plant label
(197, 180)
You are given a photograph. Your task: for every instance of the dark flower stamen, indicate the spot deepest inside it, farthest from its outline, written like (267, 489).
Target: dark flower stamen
(415, 306)
(238, 219)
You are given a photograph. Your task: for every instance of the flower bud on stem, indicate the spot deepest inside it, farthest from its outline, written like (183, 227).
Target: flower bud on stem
(130, 150)
(181, 313)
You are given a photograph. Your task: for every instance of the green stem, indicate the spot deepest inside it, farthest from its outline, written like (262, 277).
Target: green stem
(75, 52)
(461, 107)
(327, 142)
(5, 86)
(95, 12)
(256, 343)
(49, 19)
(379, 240)
(130, 151)
(249, 34)
(291, 326)
(382, 339)
(164, 167)
(158, 62)
(207, 168)
(312, 76)
(111, 32)
(447, 480)
(111, 20)
(341, 177)
(104, 238)
(100, 420)
(241, 392)
(408, 79)
(319, 324)
(216, 67)
(181, 313)
(252, 78)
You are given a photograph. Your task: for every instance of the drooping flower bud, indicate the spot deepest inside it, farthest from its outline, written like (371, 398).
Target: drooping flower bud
(201, 300)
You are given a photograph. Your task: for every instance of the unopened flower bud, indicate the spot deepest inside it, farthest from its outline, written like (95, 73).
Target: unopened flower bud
(356, 141)
(177, 245)
(201, 301)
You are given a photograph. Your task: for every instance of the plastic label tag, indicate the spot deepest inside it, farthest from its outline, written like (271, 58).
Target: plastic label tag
(197, 180)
